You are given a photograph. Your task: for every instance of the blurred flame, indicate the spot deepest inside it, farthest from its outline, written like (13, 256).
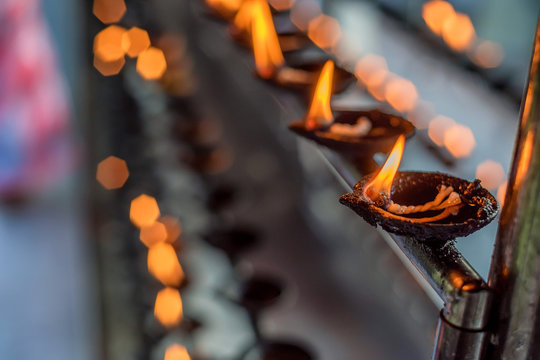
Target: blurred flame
(176, 352)
(459, 140)
(109, 11)
(151, 63)
(438, 127)
(163, 264)
(108, 43)
(226, 8)
(382, 182)
(436, 13)
(487, 54)
(153, 234)
(319, 110)
(135, 41)
(168, 307)
(501, 193)
(458, 32)
(524, 160)
(281, 5)
(173, 227)
(324, 31)
(112, 173)
(143, 211)
(401, 94)
(244, 17)
(268, 55)
(491, 174)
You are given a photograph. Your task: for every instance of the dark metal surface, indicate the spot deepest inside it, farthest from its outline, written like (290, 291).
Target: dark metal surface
(515, 272)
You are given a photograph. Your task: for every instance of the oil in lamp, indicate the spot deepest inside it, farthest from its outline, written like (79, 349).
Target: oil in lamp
(354, 133)
(427, 206)
(271, 64)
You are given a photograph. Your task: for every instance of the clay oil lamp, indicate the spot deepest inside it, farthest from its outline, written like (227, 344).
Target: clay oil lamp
(234, 241)
(430, 207)
(290, 38)
(271, 65)
(278, 349)
(352, 133)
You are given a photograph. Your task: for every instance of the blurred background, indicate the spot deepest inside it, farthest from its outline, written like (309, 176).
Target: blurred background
(152, 199)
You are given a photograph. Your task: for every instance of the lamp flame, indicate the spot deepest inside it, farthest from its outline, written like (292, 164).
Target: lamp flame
(320, 112)
(380, 187)
(266, 49)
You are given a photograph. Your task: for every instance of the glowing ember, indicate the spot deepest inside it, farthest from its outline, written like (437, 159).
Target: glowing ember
(501, 193)
(112, 173)
(144, 211)
(151, 64)
(109, 68)
(153, 234)
(324, 31)
(487, 54)
(401, 94)
(108, 43)
(163, 264)
(109, 11)
(458, 32)
(491, 174)
(135, 41)
(378, 190)
(320, 113)
(168, 307)
(438, 127)
(173, 227)
(268, 55)
(436, 13)
(459, 140)
(176, 352)
(303, 11)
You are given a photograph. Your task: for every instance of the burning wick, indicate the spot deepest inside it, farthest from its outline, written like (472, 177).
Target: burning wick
(378, 191)
(320, 113)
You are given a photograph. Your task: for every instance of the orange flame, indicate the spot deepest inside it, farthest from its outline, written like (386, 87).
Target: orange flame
(382, 183)
(266, 49)
(319, 110)
(226, 8)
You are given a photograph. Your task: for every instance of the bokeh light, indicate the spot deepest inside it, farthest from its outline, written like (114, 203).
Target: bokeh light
(491, 173)
(144, 211)
(168, 307)
(458, 32)
(324, 31)
(281, 5)
(153, 234)
(109, 68)
(176, 352)
(109, 11)
(108, 43)
(368, 66)
(421, 114)
(436, 13)
(173, 227)
(487, 54)
(163, 264)
(401, 94)
(459, 140)
(151, 63)
(303, 11)
(438, 127)
(135, 41)
(112, 173)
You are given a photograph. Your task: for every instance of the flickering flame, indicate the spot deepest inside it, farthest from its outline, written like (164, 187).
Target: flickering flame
(320, 112)
(163, 264)
(176, 352)
(381, 185)
(225, 7)
(524, 160)
(266, 49)
(168, 307)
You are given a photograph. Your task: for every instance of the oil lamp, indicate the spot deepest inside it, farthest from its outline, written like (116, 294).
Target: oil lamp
(355, 133)
(277, 349)
(300, 74)
(427, 206)
(234, 241)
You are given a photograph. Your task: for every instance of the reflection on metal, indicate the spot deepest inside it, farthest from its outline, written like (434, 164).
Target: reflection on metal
(466, 297)
(515, 269)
